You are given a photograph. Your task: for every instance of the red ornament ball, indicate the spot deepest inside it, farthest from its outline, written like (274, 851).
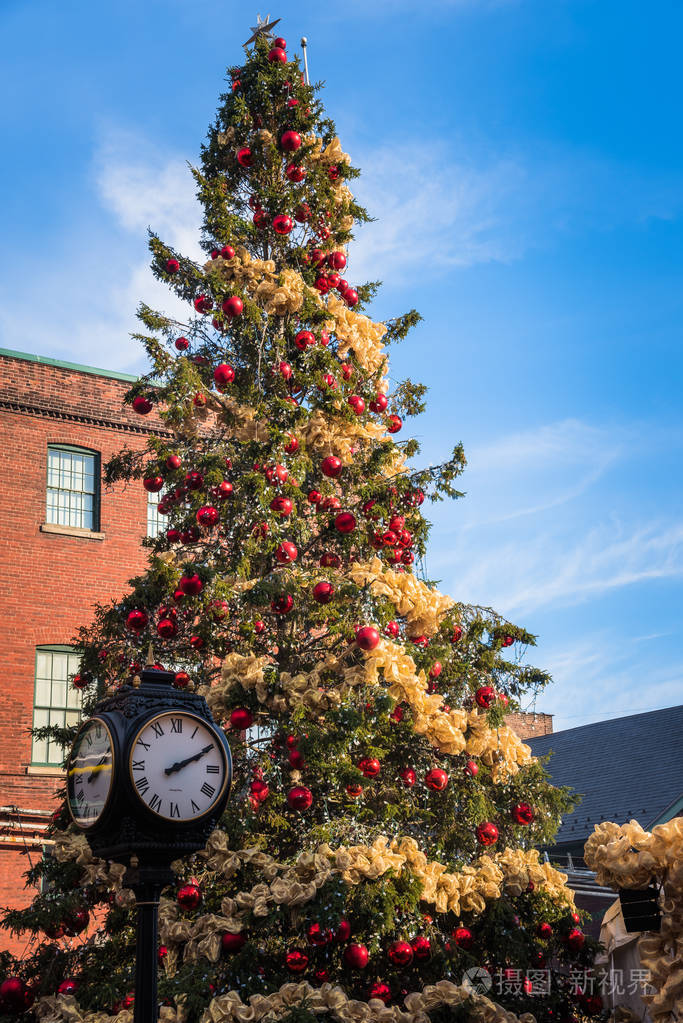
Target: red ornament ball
(522, 813)
(400, 953)
(472, 768)
(227, 252)
(435, 670)
(422, 948)
(286, 552)
(302, 213)
(484, 696)
(207, 516)
(345, 522)
(317, 936)
(314, 496)
(380, 991)
(407, 776)
(233, 306)
(463, 937)
(351, 296)
(136, 621)
(167, 627)
(367, 637)
(182, 344)
(330, 560)
(304, 339)
(296, 960)
(277, 54)
(370, 767)
(575, 940)
(232, 943)
(13, 994)
(487, 833)
(343, 932)
(189, 896)
(142, 405)
(244, 157)
(295, 173)
(181, 680)
(392, 629)
(282, 505)
(283, 604)
(331, 466)
(436, 779)
(191, 585)
(395, 423)
(379, 403)
(337, 260)
(172, 266)
(299, 798)
(281, 43)
(353, 791)
(69, 986)
(290, 141)
(241, 718)
(356, 403)
(544, 931)
(282, 224)
(323, 592)
(356, 956)
(174, 462)
(457, 634)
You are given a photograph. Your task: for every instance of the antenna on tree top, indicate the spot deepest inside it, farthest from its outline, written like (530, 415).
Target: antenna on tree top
(304, 44)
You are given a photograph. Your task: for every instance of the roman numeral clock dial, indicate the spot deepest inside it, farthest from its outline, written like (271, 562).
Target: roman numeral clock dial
(90, 773)
(178, 766)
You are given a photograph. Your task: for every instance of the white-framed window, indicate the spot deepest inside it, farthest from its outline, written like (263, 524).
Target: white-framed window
(55, 700)
(153, 518)
(73, 478)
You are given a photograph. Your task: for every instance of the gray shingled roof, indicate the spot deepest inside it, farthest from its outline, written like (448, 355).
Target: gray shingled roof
(626, 767)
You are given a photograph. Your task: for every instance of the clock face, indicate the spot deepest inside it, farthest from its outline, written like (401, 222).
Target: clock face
(178, 766)
(90, 773)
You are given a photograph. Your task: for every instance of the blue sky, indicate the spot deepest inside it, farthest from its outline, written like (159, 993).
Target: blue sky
(525, 164)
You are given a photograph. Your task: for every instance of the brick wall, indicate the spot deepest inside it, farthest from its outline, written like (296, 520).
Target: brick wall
(527, 725)
(51, 580)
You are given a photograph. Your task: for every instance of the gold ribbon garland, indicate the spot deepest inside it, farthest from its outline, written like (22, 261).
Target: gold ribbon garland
(627, 856)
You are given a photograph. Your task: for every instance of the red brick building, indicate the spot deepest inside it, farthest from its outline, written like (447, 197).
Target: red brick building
(66, 542)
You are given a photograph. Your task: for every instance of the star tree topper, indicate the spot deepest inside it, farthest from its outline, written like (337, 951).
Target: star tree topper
(264, 27)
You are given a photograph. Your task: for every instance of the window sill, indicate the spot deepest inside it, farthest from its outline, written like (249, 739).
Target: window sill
(45, 771)
(90, 534)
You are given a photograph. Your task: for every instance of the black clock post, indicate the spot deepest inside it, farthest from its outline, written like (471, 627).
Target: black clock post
(148, 778)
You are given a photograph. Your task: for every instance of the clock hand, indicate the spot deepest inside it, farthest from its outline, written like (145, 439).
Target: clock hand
(93, 773)
(188, 760)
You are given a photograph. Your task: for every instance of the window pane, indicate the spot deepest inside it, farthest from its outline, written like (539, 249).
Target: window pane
(42, 693)
(73, 697)
(60, 665)
(58, 694)
(39, 752)
(40, 718)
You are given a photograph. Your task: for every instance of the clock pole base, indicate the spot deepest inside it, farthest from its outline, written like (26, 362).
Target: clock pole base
(147, 883)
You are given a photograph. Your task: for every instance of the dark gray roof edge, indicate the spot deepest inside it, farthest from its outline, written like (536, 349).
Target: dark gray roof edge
(601, 724)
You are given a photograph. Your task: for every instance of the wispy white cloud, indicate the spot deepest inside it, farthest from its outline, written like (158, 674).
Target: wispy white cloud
(547, 547)
(601, 675)
(433, 212)
(144, 186)
(87, 304)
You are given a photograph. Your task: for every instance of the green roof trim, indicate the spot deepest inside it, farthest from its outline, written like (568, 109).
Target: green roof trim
(11, 354)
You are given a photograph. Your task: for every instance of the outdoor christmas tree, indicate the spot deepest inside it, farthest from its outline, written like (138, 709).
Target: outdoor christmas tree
(379, 841)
